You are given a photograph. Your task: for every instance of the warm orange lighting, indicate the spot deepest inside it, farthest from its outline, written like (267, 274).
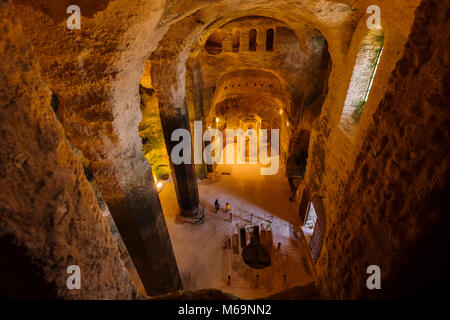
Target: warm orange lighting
(217, 120)
(281, 111)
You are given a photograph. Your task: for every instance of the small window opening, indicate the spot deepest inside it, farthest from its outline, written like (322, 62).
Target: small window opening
(269, 39)
(363, 76)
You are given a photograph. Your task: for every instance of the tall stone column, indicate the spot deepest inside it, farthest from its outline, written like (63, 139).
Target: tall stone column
(128, 188)
(168, 78)
(125, 180)
(184, 175)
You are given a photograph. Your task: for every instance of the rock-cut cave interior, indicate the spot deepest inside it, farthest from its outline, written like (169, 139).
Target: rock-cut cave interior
(117, 166)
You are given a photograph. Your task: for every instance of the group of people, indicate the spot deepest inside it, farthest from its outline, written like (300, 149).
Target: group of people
(227, 206)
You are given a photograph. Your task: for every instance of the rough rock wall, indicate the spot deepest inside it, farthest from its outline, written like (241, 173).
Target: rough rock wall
(99, 109)
(394, 208)
(49, 215)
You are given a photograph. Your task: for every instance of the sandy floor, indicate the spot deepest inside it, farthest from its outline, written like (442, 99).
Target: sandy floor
(204, 260)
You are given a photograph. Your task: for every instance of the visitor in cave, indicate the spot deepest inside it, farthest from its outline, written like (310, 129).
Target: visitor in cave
(216, 204)
(228, 208)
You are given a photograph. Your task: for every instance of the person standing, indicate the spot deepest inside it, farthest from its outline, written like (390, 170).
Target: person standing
(216, 204)
(227, 208)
